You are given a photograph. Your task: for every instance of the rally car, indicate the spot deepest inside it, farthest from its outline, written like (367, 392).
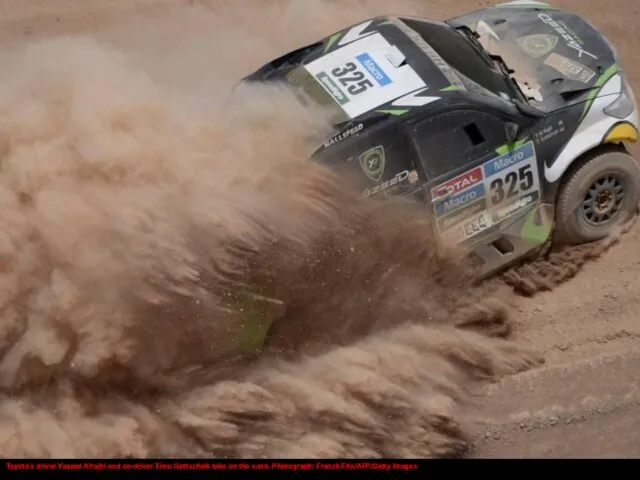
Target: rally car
(509, 123)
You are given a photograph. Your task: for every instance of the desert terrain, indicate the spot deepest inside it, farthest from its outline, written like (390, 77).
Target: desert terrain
(584, 401)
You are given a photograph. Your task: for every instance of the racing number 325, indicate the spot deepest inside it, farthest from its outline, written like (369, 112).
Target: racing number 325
(511, 185)
(352, 78)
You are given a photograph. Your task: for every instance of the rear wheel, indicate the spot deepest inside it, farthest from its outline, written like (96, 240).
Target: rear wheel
(599, 196)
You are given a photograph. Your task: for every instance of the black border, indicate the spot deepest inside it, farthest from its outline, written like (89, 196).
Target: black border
(206, 466)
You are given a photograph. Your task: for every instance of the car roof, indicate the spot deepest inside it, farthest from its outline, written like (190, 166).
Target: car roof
(441, 83)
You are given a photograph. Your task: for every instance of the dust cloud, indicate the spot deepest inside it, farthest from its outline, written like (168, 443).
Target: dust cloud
(554, 266)
(145, 241)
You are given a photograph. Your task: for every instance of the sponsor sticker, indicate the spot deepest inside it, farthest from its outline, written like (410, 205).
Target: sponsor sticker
(570, 68)
(515, 207)
(331, 87)
(344, 135)
(449, 221)
(568, 36)
(485, 195)
(538, 44)
(459, 200)
(549, 131)
(387, 184)
(471, 227)
(457, 184)
(374, 69)
(372, 162)
(360, 77)
(503, 162)
(509, 178)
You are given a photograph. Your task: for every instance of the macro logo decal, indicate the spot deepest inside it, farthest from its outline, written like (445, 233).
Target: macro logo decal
(462, 199)
(372, 162)
(374, 69)
(538, 44)
(331, 87)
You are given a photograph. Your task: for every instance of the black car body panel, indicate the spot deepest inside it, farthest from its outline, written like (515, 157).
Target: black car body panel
(556, 56)
(439, 112)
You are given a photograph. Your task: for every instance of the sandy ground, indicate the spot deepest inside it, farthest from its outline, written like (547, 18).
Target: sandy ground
(585, 401)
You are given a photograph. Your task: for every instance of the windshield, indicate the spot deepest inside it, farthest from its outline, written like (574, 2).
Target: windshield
(458, 54)
(310, 89)
(465, 54)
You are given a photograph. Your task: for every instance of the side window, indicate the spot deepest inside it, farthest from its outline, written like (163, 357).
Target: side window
(450, 141)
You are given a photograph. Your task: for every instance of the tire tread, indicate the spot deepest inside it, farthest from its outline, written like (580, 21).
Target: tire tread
(563, 233)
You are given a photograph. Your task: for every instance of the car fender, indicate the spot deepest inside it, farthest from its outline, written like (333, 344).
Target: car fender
(595, 129)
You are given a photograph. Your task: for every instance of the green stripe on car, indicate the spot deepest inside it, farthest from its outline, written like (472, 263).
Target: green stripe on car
(332, 39)
(508, 147)
(602, 79)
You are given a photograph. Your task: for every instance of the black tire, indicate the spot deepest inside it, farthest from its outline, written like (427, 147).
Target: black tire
(600, 195)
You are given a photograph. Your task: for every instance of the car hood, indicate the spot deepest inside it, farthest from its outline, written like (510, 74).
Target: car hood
(557, 58)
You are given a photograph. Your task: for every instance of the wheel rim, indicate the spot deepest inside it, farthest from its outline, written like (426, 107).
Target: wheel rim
(603, 200)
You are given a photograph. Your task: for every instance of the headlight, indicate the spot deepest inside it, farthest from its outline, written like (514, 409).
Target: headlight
(624, 105)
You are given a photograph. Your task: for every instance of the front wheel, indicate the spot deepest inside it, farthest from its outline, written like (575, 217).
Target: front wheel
(598, 197)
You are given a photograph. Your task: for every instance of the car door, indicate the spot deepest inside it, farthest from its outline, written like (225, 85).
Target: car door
(475, 179)
(377, 162)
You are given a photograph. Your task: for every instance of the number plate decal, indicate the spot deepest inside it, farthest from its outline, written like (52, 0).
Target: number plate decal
(470, 227)
(483, 196)
(509, 180)
(360, 77)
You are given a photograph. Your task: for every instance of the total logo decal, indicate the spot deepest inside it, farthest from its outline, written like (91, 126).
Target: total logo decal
(458, 183)
(479, 198)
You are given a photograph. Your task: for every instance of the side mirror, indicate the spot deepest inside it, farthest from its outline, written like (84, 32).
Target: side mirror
(511, 131)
